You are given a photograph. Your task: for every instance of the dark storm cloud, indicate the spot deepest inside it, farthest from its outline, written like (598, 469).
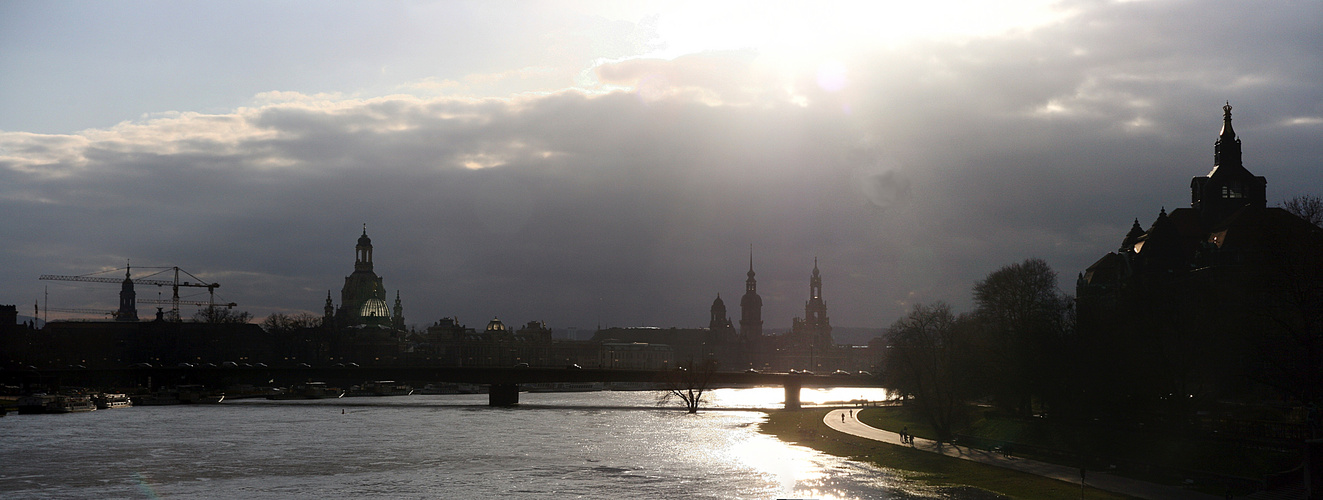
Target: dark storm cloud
(935, 164)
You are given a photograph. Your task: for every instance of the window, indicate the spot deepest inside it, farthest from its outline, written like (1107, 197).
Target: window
(1232, 191)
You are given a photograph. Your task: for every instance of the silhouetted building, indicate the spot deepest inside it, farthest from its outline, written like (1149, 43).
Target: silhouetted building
(8, 318)
(809, 345)
(719, 320)
(117, 344)
(814, 328)
(637, 356)
(365, 329)
(449, 343)
(363, 297)
(1192, 307)
(128, 307)
(751, 308)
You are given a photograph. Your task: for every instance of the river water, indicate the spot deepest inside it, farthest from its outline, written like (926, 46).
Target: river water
(606, 444)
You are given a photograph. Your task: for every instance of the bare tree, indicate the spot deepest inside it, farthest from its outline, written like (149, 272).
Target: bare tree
(1026, 319)
(1307, 207)
(687, 383)
(221, 315)
(280, 322)
(928, 356)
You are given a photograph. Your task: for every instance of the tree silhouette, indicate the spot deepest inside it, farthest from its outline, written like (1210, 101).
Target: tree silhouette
(221, 315)
(1026, 319)
(286, 323)
(928, 356)
(1307, 207)
(687, 383)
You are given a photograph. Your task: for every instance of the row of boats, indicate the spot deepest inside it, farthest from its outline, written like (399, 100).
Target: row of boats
(63, 403)
(197, 394)
(320, 390)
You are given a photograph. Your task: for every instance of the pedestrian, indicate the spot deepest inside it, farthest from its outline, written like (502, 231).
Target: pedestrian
(851, 413)
(842, 417)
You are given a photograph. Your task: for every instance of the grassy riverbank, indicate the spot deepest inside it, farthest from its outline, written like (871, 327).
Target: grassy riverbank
(1173, 458)
(805, 428)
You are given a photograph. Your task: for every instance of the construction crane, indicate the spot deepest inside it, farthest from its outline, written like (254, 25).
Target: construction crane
(229, 305)
(79, 310)
(173, 284)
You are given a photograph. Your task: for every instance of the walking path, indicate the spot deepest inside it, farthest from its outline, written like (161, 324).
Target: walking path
(1095, 479)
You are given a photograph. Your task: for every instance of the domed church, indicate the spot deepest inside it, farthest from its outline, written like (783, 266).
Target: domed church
(363, 298)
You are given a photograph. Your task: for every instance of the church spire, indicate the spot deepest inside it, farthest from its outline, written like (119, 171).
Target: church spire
(329, 310)
(397, 319)
(128, 302)
(751, 306)
(1229, 185)
(750, 261)
(1226, 151)
(1227, 131)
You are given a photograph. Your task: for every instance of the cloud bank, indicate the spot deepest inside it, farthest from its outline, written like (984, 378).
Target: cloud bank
(909, 171)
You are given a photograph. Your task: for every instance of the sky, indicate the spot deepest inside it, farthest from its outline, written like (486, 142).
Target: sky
(615, 163)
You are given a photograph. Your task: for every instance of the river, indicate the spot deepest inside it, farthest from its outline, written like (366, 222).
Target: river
(606, 444)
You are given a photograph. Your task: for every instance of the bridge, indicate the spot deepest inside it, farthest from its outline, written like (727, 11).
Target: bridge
(504, 382)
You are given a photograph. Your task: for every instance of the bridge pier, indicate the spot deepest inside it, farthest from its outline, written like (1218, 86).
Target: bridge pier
(792, 393)
(503, 395)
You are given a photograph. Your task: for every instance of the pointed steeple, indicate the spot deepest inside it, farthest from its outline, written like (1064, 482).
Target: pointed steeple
(815, 310)
(815, 282)
(751, 262)
(1227, 132)
(397, 319)
(1229, 185)
(128, 302)
(329, 310)
(1226, 151)
(751, 306)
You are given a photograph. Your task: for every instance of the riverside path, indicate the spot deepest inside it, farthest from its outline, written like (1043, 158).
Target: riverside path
(1095, 479)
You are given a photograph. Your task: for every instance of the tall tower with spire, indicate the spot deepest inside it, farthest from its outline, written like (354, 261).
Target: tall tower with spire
(128, 302)
(397, 318)
(328, 317)
(1229, 186)
(815, 325)
(751, 307)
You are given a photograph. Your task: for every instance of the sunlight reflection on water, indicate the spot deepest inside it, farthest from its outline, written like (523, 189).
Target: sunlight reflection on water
(555, 445)
(774, 397)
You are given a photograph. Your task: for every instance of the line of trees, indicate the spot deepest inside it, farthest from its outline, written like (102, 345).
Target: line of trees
(1252, 331)
(1012, 350)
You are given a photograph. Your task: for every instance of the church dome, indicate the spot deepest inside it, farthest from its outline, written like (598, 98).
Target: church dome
(495, 325)
(364, 241)
(374, 307)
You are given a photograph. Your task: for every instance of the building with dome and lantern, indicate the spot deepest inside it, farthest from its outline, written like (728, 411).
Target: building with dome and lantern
(365, 327)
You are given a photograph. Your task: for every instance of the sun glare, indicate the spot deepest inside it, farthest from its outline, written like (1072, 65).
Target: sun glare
(801, 28)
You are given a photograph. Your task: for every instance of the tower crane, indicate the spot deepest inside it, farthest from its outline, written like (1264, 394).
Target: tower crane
(228, 305)
(173, 284)
(82, 310)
